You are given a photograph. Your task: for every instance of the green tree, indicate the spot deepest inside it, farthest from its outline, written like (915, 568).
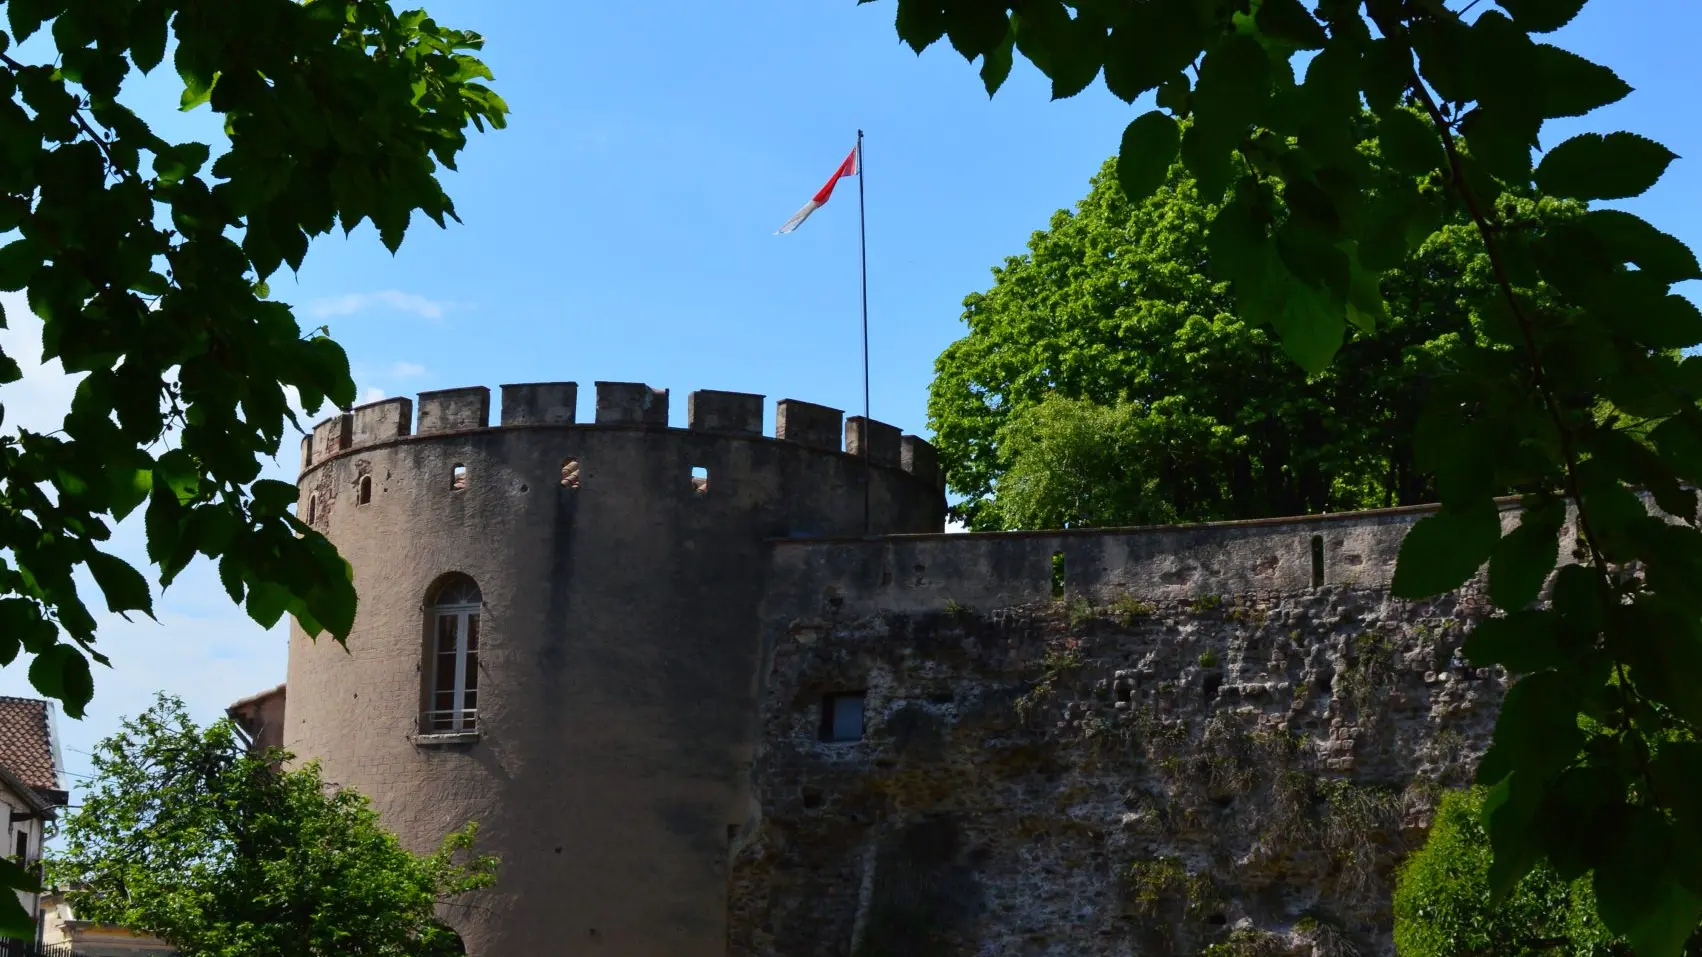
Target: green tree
(1574, 402)
(1443, 905)
(147, 262)
(186, 834)
(1110, 333)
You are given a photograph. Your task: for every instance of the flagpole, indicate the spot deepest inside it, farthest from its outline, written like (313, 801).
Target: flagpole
(863, 249)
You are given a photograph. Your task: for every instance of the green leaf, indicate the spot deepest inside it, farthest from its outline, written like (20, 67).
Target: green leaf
(16, 923)
(195, 68)
(1536, 733)
(1523, 559)
(1508, 812)
(1542, 16)
(976, 28)
(20, 260)
(180, 162)
(1152, 44)
(1149, 147)
(1630, 239)
(124, 587)
(1636, 894)
(996, 64)
(148, 23)
(1670, 322)
(1572, 85)
(1523, 642)
(1680, 445)
(1501, 141)
(1385, 73)
(1409, 144)
(1442, 551)
(1289, 21)
(61, 672)
(267, 602)
(1593, 166)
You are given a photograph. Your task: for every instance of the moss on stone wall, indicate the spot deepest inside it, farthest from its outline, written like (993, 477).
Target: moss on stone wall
(1238, 776)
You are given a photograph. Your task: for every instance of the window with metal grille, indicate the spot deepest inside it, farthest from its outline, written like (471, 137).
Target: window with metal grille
(453, 699)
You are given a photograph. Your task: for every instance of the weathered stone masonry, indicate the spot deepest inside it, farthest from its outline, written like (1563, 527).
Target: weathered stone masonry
(1146, 741)
(1193, 744)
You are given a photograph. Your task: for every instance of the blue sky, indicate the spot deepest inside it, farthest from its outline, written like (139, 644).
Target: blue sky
(622, 228)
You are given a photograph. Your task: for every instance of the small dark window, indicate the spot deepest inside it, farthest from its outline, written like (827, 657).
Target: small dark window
(1057, 574)
(458, 477)
(700, 480)
(23, 845)
(570, 473)
(842, 717)
(365, 489)
(312, 508)
(1317, 561)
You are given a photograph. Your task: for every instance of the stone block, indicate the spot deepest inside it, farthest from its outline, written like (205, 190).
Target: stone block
(806, 423)
(381, 421)
(738, 412)
(919, 458)
(882, 440)
(631, 403)
(540, 403)
(452, 410)
(331, 436)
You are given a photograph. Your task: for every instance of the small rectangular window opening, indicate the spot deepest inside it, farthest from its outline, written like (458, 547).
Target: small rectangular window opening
(312, 508)
(1057, 574)
(842, 717)
(365, 489)
(700, 480)
(1317, 561)
(23, 845)
(458, 477)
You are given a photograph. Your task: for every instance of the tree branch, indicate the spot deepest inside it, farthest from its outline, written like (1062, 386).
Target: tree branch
(1539, 378)
(76, 114)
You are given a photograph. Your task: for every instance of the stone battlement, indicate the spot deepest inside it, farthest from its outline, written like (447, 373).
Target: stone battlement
(621, 405)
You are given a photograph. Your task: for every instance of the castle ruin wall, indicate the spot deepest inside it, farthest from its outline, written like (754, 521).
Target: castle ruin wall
(1101, 743)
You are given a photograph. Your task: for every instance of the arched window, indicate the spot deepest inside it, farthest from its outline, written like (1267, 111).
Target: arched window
(365, 489)
(454, 619)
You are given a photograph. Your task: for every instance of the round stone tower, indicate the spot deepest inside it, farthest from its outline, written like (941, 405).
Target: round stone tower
(558, 636)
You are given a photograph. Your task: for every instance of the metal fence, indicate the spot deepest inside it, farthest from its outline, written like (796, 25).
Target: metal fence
(27, 948)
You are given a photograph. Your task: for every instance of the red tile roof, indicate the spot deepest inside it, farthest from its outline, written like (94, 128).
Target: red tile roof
(26, 742)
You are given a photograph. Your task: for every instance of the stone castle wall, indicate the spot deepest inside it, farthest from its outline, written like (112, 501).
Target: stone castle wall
(618, 636)
(1112, 742)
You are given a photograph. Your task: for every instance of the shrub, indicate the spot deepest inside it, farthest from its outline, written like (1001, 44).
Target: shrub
(1442, 906)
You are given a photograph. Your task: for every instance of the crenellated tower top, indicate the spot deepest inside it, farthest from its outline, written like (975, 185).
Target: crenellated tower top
(621, 405)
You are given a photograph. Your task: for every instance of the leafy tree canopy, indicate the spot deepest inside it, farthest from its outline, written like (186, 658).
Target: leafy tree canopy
(147, 262)
(1107, 379)
(186, 834)
(1571, 401)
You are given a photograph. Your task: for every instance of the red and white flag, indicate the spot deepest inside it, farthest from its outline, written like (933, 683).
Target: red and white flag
(851, 167)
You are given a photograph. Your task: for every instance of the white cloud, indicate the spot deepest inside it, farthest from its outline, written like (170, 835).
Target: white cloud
(372, 394)
(953, 525)
(40, 399)
(406, 370)
(392, 299)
